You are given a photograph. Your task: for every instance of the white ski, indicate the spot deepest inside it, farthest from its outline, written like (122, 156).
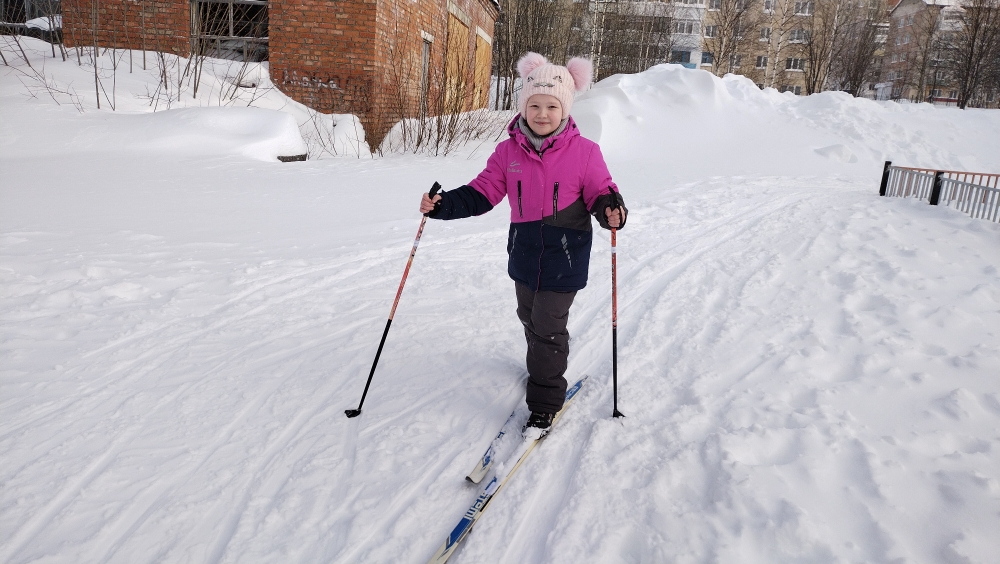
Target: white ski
(471, 516)
(489, 457)
(487, 460)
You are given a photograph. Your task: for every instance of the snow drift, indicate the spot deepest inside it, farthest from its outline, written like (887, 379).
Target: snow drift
(705, 125)
(253, 133)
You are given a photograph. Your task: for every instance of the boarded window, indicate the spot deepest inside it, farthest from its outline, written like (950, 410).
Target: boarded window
(482, 96)
(456, 69)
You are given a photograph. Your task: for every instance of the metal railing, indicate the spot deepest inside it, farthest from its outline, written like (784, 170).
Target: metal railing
(975, 193)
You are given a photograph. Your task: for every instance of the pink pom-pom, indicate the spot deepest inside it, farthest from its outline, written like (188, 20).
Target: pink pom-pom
(528, 63)
(582, 70)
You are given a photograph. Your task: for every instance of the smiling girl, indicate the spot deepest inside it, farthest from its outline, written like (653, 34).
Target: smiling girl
(554, 180)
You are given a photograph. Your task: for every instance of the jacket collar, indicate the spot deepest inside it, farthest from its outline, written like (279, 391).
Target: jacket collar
(552, 143)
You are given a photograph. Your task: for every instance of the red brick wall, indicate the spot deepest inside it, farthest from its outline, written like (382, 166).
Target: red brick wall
(154, 25)
(365, 56)
(401, 29)
(336, 56)
(321, 54)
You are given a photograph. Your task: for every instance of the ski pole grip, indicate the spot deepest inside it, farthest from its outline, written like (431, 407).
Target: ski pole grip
(615, 204)
(434, 190)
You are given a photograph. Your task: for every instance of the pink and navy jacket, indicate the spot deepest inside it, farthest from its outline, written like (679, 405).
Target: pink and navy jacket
(552, 194)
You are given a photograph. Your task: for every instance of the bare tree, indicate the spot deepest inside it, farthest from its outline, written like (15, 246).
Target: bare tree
(735, 22)
(976, 47)
(618, 35)
(777, 24)
(527, 25)
(630, 37)
(853, 61)
(823, 31)
(924, 53)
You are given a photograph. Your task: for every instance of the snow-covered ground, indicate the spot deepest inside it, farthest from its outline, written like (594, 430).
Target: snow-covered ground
(809, 371)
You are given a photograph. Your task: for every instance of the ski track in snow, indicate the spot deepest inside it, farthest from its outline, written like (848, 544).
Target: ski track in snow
(702, 328)
(680, 315)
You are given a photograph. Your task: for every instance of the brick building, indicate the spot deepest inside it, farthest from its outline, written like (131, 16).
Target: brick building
(379, 59)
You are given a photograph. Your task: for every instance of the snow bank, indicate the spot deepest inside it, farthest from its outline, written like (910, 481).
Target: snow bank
(45, 23)
(63, 88)
(705, 125)
(253, 133)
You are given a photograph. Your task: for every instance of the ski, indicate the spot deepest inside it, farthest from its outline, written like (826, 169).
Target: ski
(503, 474)
(486, 461)
(489, 457)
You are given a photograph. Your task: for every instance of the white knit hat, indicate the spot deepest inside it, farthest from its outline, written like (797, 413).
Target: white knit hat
(538, 76)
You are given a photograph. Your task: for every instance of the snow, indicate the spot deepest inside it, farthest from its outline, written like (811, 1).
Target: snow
(45, 23)
(809, 371)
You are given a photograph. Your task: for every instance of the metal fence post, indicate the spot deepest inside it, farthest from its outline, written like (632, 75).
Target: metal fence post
(936, 191)
(885, 178)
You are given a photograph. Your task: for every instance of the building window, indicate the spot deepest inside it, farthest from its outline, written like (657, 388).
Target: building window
(711, 30)
(799, 36)
(714, 4)
(761, 62)
(900, 23)
(685, 27)
(804, 8)
(737, 59)
(765, 34)
(680, 56)
(797, 90)
(769, 6)
(795, 64)
(231, 30)
(707, 58)
(909, 20)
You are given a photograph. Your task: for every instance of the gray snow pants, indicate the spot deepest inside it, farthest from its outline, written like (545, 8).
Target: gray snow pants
(544, 316)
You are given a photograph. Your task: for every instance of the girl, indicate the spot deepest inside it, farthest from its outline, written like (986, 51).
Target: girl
(554, 180)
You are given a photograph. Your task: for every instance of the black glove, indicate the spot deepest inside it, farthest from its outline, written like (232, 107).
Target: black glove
(435, 191)
(610, 201)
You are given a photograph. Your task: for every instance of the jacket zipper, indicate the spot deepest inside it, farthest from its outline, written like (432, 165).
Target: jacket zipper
(555, 201)
(520, 212)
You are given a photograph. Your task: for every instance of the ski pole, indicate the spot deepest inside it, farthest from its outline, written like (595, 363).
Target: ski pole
(614, 305)
(355, 412)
